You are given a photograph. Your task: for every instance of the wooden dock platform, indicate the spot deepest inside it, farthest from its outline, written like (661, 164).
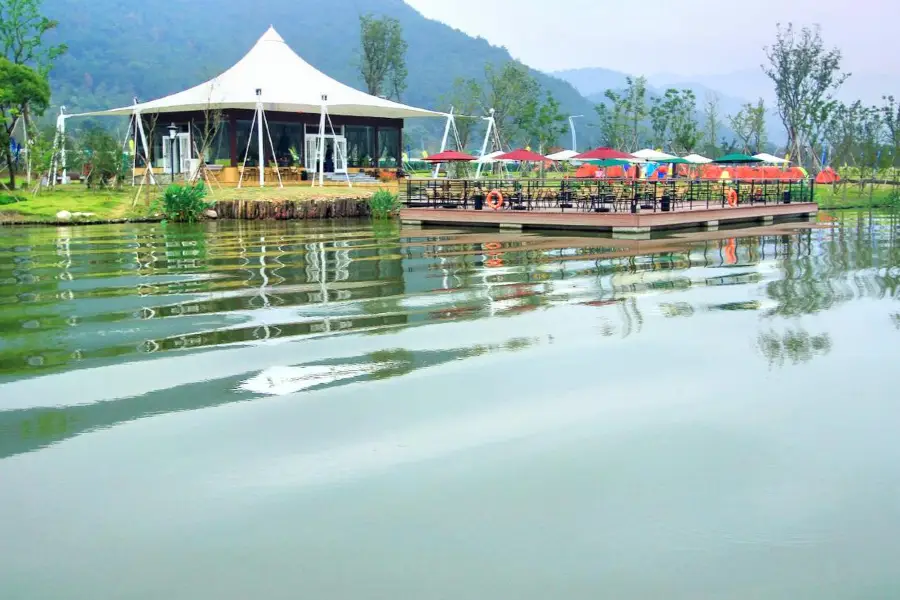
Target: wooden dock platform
(641, 223)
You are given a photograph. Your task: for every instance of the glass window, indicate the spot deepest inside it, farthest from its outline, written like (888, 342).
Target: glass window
(242, 129)
(360, 146)
(388, 148)
(218, 151)
(287, 139)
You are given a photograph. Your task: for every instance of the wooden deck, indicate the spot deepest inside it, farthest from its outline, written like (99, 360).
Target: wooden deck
(625, 223)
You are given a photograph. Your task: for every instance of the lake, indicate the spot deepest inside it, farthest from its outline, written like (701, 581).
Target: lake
(348, 410)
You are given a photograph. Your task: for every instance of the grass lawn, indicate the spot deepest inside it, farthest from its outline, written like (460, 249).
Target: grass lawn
(852, 196)
(110, 204)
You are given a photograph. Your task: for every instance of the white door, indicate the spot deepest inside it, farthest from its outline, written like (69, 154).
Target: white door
(184, 153)
(340, 154)
(309, 157)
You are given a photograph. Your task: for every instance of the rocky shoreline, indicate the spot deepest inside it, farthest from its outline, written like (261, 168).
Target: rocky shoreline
(286, 210)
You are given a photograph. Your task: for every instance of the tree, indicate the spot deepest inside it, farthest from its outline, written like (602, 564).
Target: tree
(659, 123)
(22, 28)
(383, 64)
(544, 123)
(681, 108)
(21, 87)
(711, 124)
(511, 91)
(890, 116)
(806, 76)
(749, 125)
(635, 107)
(612, 120)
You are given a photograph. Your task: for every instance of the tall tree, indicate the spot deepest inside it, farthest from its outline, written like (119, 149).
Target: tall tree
(749, 125)
(635, 105)
(383, 64)
(890, 115)
(21, 88)
(806, 76)
(681, 108)
(22, 28)
(511, 91)
(711, 125)
(612, 120)
(545, 123)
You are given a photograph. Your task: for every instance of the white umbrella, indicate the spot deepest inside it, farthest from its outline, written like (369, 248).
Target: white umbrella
(697, 159)
(653, 155)
(563, 155)
(771, 159)
(492, 157)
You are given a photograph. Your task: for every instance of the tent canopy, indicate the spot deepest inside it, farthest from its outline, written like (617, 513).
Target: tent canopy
(696, 159)
(287, 83)
(654, 155)
(771, 159)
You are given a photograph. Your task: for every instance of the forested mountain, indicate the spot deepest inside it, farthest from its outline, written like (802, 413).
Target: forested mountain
(123, 48)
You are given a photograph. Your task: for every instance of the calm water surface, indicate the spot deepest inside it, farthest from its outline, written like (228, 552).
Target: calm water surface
(342, 410)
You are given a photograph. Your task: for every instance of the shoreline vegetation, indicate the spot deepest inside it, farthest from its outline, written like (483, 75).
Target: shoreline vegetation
(92, 206)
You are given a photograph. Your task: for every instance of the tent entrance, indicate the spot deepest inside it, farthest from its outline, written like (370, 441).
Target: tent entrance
(335, 153)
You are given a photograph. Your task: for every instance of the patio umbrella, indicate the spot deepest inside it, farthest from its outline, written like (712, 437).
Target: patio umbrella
(562, 155)
(450, 156)
(696, 159)
(610, 162)
(730, 159)
(654, 155)
(604, 154)
(771, 159)
(522, 155)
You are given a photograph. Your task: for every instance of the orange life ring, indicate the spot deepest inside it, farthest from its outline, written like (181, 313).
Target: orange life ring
(494, 262)
(494, 199)
(732, 197)
(492, 246)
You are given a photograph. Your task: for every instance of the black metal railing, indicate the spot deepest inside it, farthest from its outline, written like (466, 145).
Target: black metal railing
(604, 195)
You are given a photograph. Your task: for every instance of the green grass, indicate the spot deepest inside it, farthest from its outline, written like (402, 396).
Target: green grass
(853, 196)
(105, 204)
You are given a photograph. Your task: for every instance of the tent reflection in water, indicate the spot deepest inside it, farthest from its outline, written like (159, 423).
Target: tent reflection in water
(310, 116)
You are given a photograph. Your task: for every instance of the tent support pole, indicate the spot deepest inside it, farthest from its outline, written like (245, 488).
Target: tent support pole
(484, 145)
(259, 139)
(437, 166)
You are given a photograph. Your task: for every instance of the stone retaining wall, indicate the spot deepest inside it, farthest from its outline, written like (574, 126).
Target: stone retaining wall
(330, 208)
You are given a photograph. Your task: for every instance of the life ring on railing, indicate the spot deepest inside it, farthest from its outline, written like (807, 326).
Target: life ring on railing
(492, 246)
(494, 262)
(494, 199)
(732, 197)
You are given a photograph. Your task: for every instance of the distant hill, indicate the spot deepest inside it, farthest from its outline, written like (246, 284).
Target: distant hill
(118, 49)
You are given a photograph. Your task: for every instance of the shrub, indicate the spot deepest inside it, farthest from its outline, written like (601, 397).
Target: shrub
(10, 199)
(383, 204)
(184, 203)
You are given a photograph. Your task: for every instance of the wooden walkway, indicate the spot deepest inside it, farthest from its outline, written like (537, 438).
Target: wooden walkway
(625, 223)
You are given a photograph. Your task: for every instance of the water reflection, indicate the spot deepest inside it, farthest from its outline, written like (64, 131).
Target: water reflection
(92, 297)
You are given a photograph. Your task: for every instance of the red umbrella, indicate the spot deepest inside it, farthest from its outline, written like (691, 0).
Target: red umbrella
(603, 154)
(450, 156)
(522, 155)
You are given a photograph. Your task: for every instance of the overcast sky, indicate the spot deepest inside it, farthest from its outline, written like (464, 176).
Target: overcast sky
(692, 37)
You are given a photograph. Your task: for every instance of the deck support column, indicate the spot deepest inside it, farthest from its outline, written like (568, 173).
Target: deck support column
(767, 220)
(711, 226)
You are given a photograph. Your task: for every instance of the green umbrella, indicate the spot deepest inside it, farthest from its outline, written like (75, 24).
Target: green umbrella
(679, 161)
(731, 159)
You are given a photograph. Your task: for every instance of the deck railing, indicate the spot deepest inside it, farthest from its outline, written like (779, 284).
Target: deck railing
(604, 195)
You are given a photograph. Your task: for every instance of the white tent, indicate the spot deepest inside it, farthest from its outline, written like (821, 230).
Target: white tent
(653, 155)
(771, 159)
(564, 155)
(287, 83)
(697, 159)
